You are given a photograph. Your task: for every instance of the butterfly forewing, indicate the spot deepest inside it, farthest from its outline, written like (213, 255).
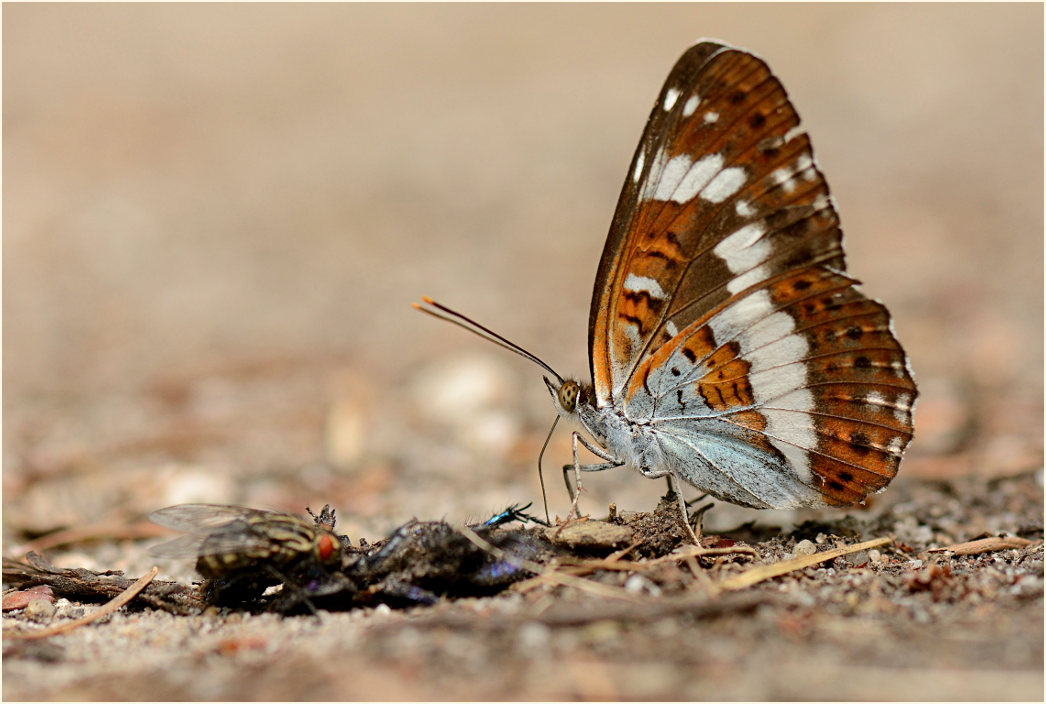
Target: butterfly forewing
(721, 309)
(703, 170)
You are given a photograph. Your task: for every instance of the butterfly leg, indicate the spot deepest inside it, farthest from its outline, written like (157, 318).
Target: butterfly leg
(568, 468)
(675, 487)
(682, 507)
(611, 463)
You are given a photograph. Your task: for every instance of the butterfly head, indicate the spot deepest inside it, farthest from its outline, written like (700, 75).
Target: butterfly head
(567, 395)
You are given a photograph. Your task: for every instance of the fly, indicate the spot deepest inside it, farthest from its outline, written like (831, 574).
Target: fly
(242, 551)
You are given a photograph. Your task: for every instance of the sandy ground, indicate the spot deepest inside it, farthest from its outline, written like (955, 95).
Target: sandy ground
(216, 217)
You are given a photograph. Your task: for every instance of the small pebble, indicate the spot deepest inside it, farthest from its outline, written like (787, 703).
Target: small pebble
(804, 547)
(408, 641)
(875, 556)
(467, 396)
(21, 599)
(348, 420)
(638, 584)
(597, 632)
(533, 636)
(70, 611)
(805, 599)
(40, 610)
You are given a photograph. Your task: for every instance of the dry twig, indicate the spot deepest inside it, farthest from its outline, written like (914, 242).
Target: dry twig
(108, 608)
(81, 584)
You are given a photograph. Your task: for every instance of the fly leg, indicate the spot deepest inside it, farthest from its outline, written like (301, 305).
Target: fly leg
(291, 595)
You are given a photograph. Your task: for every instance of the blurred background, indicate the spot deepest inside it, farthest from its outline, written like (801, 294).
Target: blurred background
(216, 218)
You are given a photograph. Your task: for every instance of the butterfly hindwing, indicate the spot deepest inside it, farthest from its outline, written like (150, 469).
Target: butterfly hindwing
(806, 368)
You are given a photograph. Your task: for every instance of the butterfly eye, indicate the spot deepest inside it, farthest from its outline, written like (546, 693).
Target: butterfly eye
(568, 396)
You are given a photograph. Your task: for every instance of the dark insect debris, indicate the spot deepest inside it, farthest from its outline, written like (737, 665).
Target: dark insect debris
(257, 560)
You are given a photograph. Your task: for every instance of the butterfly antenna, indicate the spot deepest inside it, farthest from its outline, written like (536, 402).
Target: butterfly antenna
(541, 475)
(452, 316)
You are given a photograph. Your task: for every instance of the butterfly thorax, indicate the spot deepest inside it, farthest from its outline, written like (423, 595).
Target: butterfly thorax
(632, 442)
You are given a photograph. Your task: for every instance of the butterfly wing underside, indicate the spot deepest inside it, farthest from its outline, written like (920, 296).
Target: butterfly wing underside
(721, 313)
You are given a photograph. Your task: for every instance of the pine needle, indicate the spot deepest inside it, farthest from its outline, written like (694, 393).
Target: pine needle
(764, 572)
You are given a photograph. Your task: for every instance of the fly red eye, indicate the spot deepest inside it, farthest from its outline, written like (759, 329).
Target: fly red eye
(326, 547)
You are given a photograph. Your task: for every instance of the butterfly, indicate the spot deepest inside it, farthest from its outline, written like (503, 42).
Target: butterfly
(728, 347)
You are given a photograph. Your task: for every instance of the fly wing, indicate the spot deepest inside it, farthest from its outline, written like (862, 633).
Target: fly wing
(184, 546)
(202, 518)
(213, 529)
